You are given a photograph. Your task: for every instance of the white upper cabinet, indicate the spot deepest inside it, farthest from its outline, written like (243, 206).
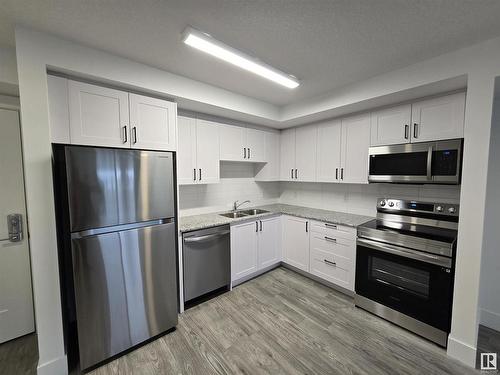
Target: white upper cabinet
(232, 143)
(152, 123)
(207, 152)
(438, 118)
(198, 152)
(270, 171)
(329, 151)
(99, 116)
(239, 143)
(186, 153)
(287, 155)
(305, 153)
(255, 143)
(391, 125)
(298, 154)
(355, 144)
(87, 114)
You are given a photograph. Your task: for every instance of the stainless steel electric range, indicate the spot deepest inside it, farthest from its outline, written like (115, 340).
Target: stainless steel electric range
(405, 264)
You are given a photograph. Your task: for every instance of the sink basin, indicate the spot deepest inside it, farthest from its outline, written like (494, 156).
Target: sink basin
(254, 211)
(234, 215)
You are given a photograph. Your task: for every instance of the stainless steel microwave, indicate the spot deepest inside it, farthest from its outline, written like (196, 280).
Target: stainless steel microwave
(437, 162)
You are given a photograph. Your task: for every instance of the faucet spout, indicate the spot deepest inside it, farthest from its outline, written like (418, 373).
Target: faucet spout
(236, 205)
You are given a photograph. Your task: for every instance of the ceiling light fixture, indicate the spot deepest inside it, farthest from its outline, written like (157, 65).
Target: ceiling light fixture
(206, 43)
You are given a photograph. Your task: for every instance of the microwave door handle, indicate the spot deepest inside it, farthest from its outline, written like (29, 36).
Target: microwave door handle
(429, 162)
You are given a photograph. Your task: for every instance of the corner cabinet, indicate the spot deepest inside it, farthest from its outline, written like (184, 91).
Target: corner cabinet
(298, 154)
(87, 114)
(270, 171)
(198, 152)
(255, 246)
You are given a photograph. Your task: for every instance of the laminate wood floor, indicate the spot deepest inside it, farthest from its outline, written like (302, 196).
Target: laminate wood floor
(284, 323)
(19, 356)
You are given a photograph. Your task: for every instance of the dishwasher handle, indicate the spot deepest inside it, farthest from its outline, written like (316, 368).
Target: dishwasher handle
(205, 238)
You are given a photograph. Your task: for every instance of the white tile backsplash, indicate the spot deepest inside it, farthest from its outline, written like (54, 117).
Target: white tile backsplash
(237, 183)
(361, 199)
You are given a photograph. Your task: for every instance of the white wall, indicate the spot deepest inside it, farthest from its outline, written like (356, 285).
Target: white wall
(8, 71)
(37, 51)
(361, 199)
(489, 302)
(237, 183)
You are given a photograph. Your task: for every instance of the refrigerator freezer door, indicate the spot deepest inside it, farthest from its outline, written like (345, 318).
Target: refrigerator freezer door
(108, 187)
(125, 289)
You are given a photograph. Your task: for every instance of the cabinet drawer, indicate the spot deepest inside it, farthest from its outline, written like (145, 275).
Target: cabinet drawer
(338, 246)
(333, 230)
(333, 268)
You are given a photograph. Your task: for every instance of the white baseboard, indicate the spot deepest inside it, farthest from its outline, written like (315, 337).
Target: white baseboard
(489, 319)
(57, 366)
(461, 351)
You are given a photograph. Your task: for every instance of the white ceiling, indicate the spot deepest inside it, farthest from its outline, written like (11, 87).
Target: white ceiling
(325, 43)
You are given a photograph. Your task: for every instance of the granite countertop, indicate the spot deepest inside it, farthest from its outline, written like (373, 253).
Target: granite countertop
(203, 221)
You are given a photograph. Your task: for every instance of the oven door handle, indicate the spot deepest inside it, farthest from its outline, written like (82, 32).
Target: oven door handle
(406, 253)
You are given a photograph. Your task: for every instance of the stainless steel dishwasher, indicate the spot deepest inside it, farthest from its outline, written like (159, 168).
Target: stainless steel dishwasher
(206, 261)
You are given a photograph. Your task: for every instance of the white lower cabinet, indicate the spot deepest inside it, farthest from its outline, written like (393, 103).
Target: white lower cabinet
(333, 253)
(255, 245)
(296, 242)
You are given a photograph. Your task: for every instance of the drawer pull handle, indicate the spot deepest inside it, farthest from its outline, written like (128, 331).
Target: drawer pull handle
(330, 226)
(331, 239)
(329, 262)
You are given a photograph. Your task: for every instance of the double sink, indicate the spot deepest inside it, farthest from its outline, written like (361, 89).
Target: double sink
(243, 213)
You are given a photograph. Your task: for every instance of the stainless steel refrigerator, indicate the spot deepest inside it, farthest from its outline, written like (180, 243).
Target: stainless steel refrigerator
(116, 224)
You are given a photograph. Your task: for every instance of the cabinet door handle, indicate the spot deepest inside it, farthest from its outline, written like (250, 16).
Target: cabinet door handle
(415, 130)
(200, 174)
(331, 239)
(194, 174)
(244, 152)
(307, 226)
(256, 226)
(134, 134)
(329, 262)
(260, 221)
(291, 175)
(407, 128)
(125, 137)
(249, 152)
(336, 173)
(295, 173)
(342, 174)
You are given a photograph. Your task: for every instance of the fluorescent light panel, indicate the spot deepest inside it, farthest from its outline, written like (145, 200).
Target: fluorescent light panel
(206, 43)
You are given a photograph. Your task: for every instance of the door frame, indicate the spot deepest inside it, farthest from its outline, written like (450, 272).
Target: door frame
(12, 103)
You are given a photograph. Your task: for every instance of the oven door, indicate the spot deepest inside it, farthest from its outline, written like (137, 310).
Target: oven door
(414, 283)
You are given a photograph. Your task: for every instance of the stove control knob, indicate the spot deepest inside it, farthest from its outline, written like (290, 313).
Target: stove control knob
(451, 210)
(391, 204)
(382, 203)
(439, 208)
